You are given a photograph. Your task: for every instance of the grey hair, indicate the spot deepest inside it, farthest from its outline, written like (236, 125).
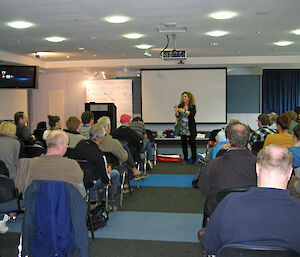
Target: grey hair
(104, 121)
(97, 131)
(275, 158)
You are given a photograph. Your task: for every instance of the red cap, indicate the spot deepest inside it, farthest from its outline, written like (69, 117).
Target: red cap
(125, 118)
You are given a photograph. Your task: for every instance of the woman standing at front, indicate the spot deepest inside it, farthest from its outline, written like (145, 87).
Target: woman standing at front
(186, 112)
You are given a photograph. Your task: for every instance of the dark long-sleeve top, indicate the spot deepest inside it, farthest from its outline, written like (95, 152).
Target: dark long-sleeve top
(260, 216)
(24, 134)
(236, 168)
(191, 119)
(124, 133)
(88, 150)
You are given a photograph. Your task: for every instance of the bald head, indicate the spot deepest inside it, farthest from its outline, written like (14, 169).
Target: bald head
(237, 135)
(274, 167)
(57, 142)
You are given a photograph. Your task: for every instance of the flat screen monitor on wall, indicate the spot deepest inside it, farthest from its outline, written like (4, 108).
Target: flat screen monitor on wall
(23, 77)
(162, 89)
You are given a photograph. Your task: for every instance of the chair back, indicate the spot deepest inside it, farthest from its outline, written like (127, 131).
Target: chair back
(7, 189)
(3, 169)
(257, 146)
(90, 172)
(32, 151)
(112, 160)
(297, 172)
(236, 250)
(222, 194)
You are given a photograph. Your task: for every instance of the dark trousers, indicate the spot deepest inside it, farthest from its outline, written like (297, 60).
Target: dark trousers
(184, 143)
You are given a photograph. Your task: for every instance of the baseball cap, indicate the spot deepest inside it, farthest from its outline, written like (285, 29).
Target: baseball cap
(125, 118)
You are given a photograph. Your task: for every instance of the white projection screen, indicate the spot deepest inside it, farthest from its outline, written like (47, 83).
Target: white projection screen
(162, 89)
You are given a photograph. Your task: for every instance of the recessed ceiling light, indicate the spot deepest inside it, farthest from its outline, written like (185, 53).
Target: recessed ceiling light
(116, 19)
(283, 43)
(143, 46)
(217, 33)
(55, 39)
(296, 31)
(20, 24)
(80, 48)
(68, 57)
(213, 44)
(223, 15)
(133, 35)
(94, 55)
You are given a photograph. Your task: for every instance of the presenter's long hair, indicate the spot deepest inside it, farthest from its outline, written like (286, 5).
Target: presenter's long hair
(191, 99)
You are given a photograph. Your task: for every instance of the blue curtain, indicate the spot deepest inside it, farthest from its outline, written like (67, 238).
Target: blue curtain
(280, 90)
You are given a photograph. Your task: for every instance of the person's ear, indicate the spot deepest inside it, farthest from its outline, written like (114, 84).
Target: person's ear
(228, 142)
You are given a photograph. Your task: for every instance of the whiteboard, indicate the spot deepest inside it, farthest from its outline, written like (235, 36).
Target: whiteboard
(12, 101)
(117, 91)
(162, 89)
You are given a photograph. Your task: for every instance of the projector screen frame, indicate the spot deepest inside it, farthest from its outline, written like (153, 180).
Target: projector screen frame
(202, 68)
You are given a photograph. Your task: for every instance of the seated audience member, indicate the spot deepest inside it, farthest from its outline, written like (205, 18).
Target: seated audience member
(138, 126)
(283, 138)
(111, 145)
(39, 131)
(295, 149)
(260, 135)
(124, 133)
(87, 119)
(273, 116)
(235, 168)
(220, 137)
(53, 166)
(9, 146)
(23, 133)
(293, 117)
(263, 216)
(73, 125)
(89, 150)
(54, 124)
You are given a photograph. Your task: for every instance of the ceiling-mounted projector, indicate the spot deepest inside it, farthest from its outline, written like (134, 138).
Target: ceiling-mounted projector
(174, 55)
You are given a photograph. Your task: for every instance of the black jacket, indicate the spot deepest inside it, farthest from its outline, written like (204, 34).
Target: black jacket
(88, 150)
(124, 133)
(24, 135)
(192, 123)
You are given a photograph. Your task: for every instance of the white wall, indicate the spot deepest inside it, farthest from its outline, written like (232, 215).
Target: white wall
(73, 84)
(12, 101)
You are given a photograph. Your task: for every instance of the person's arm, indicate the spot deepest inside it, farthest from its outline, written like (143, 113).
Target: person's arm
(17, 153)
(119, 151)
(212, 236)
(204, 180)
(192, 111)
(78, 173)
(176, 111)
(26, 136)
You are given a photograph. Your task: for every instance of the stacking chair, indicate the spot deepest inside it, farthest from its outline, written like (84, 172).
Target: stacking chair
(222, 194)
(9, 197)
(113, 161)
(297, 172)
(34, 151)
(241, 250)
(89, 181)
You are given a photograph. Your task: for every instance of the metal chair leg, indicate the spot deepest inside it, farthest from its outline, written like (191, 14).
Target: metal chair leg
(155, 154)
(122, 189)
(145, 162)
(106, 197)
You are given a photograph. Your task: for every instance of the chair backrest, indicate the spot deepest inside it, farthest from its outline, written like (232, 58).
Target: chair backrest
(112, 160)
(236, 250)
(257, 146)
(90, 170)
(7, 189)
(297, 172)
(34, 151)
(3, 169)
(222, 194)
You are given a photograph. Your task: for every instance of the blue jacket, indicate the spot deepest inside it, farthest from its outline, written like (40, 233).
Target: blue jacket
(55, 218)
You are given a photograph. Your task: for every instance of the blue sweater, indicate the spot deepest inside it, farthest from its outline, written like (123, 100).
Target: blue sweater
(261, 216)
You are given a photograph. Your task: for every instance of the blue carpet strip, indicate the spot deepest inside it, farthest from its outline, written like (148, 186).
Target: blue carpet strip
(155, 226)
(164, 180)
